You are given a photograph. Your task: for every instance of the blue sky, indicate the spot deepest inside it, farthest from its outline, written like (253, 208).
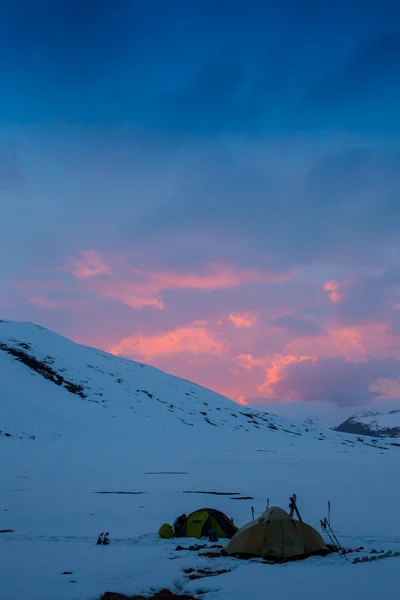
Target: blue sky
(200, 68)
(208, 160)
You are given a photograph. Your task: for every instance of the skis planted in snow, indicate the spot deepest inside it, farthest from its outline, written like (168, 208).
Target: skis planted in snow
(325, 526)
(293, 507)
(100, 539)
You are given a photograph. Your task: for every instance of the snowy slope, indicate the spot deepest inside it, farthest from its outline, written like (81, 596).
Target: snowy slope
(376, 424)
(52, 387)
(77, 422)
(39, 364)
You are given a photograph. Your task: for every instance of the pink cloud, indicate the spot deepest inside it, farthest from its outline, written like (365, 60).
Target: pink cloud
(139, 288)
(332, 287)
(245, 319)
(216, 276)
(274, 373)
(87, 264)
(247, 361)
(132, 295)
(335, 289)
(233, 371)
(190, 339)
(387, 389)
(354, 343)
(338, 381)
(241, 400)
(226, 353)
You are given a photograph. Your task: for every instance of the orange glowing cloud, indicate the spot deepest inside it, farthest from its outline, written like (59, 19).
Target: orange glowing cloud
(338, 341)
(89, 264)
(274, 372)
(243, 319)
(247, 361)
(354, 343)
(191, 339)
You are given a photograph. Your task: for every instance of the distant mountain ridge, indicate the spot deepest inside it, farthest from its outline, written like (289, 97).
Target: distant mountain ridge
(372, 423)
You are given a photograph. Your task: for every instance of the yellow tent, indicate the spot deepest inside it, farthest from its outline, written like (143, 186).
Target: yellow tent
(276, 535)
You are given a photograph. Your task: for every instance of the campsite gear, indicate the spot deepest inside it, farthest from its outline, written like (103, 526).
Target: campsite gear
(198, 547)
(106, 541)
(293, 507)
(329, 512)
(252, 512)
(166, 532)
(194, 548)
(336, 544)
(212, 535)
(100, 539)
(388, 554)
(275, 535)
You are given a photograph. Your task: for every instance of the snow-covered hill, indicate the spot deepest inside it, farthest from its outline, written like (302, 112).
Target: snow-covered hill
(371, 423)
(52, 387)
(91, 442)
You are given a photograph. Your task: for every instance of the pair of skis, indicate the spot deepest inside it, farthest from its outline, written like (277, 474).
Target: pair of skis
(293, 507)
(388, 554)
(325, 526)
(103, 539)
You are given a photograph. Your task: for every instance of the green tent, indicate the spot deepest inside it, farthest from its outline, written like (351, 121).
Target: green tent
(198, 524)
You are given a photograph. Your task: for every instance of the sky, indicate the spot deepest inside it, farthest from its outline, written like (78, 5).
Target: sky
(209, 187)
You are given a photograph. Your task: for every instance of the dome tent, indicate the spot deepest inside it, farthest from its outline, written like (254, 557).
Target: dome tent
(199, 523)
(276, 535)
